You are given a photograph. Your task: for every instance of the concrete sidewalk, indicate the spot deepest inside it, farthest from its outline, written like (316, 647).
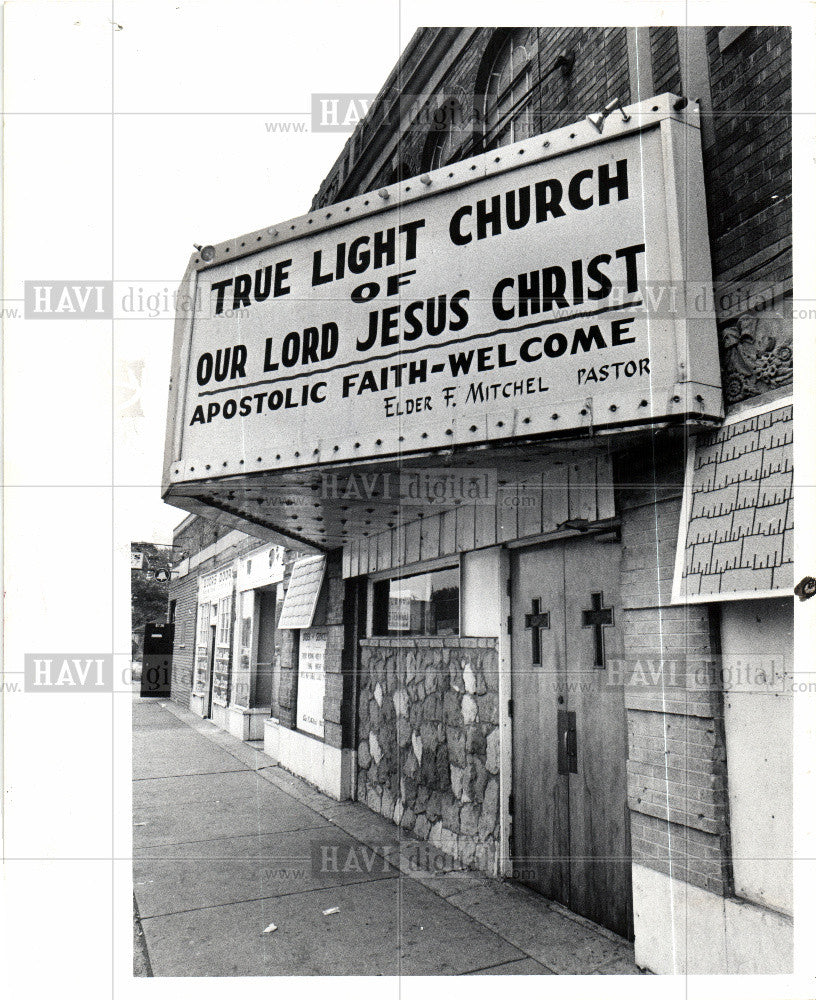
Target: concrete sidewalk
(225, 843)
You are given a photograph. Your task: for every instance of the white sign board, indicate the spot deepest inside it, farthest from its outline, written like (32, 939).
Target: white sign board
(538, 288)
(311, 682)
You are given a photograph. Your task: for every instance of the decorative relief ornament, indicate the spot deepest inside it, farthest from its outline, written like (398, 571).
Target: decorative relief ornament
(757, 355)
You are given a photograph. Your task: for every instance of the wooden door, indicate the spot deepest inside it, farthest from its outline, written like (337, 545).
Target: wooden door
(539, 663)
(571, 828)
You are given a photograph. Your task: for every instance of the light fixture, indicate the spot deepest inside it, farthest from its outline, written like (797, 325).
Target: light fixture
(598, 119)
(207, 252)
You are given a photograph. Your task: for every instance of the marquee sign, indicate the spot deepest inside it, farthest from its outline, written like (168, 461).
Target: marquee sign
(545, 287)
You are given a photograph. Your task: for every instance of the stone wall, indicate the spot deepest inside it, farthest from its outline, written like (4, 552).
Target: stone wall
(428, 741)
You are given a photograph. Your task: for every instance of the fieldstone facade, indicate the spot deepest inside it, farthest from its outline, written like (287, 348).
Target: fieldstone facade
(428, 742)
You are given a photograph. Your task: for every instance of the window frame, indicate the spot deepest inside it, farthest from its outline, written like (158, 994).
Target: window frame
(501, 129)
(452, 562)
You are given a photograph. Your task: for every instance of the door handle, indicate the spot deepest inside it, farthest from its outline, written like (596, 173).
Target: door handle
(567, 743)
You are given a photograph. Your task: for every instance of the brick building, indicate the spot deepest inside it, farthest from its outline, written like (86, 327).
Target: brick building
(579, 677)
(223, 595)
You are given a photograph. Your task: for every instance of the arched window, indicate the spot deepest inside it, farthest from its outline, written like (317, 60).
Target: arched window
(394, 173)
(446, 138)
(507, 109)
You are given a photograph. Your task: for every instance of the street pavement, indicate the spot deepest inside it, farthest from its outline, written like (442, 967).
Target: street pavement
(226, 844)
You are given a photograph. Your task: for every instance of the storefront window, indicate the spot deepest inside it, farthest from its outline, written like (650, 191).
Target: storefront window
(224, 621)
(202, 645)
(420, 604)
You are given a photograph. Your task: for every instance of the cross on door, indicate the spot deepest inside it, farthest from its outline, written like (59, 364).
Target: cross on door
(537, 620)
(598, 618)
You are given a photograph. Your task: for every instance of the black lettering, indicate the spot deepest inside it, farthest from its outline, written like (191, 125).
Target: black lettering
(594, 273)
(263, 283)
(204, 368)
(553, 286)
(318, 278)
(606, 182)
(365, 292)
(460, 363)
(371, 339)
(385, 244)
(458, 310)
(630, 255)
(576, 199)
(410, 230)
(239, 356)
(555, 345)
(359, 256)
(243, 286)
(619, 327)
(491, 217)
(329, 340)
(457, 236)
(436, 314)
(501, 311)
(281, 274)
(310, 341)
(414, 322)
(516, 220)
(587, 340)
(291, 349)
(548, 195)
(529, 293)
(269, 364)
(390, 321)
(220, 288)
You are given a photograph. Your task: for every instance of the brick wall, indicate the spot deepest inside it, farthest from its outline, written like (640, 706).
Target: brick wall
(184, 592)
(428, 741)
(748, 187)
(198, 535)
(665, 60)
(748, 170)
(600, 72)
(676, 767)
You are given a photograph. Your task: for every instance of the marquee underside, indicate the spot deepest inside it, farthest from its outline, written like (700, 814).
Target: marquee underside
(324, 508)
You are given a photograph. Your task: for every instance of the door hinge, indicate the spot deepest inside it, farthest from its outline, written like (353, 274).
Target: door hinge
(509, 624)
(509, 586)
(510, 708)
(511, 804)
